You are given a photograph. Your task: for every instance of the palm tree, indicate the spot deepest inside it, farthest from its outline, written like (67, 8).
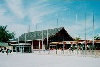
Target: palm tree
(5, 35)
(97, 37)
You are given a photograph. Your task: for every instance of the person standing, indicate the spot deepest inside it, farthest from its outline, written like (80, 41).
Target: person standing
(7, 51)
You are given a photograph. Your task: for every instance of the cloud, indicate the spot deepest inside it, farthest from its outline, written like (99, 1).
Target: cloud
(4, 18)
(10, 22)
(38, 12)
(17, 15)
(14, 15)
(16, 7)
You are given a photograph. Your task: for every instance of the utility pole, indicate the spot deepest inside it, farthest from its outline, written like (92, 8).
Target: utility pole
(18, 44)
(47, 38)
(76, 18)
(25, 42)
(42, 40)
(29, 28)
(36, 31)
(57, 31)
(93, 34)
(57, 22)
(85, 33)
(76, 33)
(63, 44)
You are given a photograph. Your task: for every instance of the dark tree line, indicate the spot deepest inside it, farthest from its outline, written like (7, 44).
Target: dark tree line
(5, 35)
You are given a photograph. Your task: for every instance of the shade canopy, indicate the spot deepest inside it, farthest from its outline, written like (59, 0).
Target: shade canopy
(4, 44)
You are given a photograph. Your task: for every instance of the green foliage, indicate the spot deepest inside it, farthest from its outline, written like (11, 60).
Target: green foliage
(77, 38)
(5, 35)
(97, 37)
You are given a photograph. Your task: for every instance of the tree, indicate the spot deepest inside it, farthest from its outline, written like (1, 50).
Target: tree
(5, 35)
(77, 38)
(97, 37)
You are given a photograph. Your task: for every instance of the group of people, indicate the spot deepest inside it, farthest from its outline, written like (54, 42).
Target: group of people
(6, 50)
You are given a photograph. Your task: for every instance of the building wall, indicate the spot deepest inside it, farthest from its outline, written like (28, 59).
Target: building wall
(36, 44)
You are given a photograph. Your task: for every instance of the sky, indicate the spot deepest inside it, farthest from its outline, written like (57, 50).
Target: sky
(19, 15)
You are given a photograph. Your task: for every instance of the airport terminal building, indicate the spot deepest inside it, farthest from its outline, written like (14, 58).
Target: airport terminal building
(56, 38)
(40, 40)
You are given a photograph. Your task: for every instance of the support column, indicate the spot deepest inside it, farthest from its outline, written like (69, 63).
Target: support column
(42, 41)
(63, 47)
(56, 48)
(39, 45)
(21, 49)
(32, 47)
(72, 47)
(16, 48)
